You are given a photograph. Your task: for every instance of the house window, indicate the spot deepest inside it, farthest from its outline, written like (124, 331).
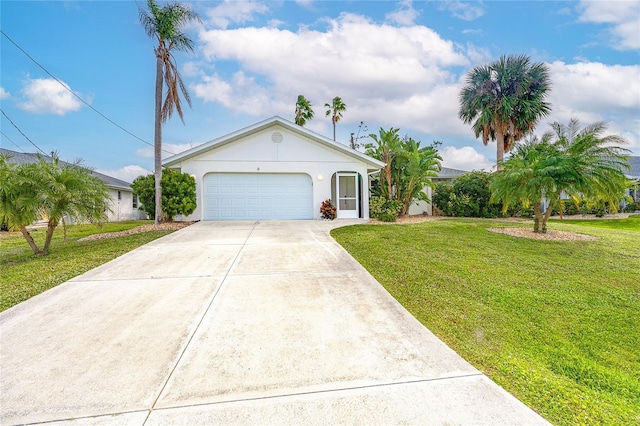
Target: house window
(119, 195)
(135, 201)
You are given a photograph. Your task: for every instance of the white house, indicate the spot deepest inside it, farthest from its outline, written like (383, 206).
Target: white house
(276, 169)
(422, 207)
(123, 202)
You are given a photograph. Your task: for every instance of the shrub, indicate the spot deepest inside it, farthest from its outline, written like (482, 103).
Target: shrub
(384, 209)
(631, 208)
(178, 194)
(468, 196)
(328, 210)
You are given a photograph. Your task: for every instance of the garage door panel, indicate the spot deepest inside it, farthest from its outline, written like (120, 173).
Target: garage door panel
(249, 196)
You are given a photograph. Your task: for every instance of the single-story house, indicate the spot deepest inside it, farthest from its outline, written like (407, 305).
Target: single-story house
(634, 174)
(124, 203)
(445, 175)
(276, 169)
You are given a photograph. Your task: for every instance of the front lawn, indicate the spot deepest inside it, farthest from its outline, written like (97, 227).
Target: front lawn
(23, 275)
(631, 223)
(557, 324)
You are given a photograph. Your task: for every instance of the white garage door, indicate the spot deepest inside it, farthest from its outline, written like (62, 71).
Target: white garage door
(250, 196)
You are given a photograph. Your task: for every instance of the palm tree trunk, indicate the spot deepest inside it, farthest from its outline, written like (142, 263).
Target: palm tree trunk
(157, 142)
(537, 212)
(334, 127)
(499, 150)
(27, 236)
(51, 226)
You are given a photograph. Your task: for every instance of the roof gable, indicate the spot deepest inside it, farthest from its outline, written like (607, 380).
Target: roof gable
(267, 124)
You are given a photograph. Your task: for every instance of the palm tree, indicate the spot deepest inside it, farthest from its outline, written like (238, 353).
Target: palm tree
(385, 147)
(567, 161)
(303, 111)
(505, 100)
(164, 24)
(335, 110)
(52, 189)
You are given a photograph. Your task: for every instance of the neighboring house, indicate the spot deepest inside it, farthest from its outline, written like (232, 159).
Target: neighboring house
(634, 173)
(423, 207)
(124, 203)
(275, 169)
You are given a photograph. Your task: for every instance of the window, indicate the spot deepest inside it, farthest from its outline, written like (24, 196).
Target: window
(119, 195)
(135, 201)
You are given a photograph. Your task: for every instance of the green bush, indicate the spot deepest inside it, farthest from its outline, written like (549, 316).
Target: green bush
(631, 208)
(178, 194)
(384, 209)
(468, 196)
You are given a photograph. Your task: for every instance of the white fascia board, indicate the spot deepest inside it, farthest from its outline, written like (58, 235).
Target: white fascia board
(175, 160)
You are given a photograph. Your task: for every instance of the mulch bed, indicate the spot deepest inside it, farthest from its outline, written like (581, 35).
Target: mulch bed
(172, 226)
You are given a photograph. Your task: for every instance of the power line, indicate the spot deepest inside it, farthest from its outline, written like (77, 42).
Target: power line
(77, 96)
(8, 138)
(21, 132)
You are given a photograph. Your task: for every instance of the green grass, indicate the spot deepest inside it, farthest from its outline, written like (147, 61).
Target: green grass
(555, 323)
(632, 223)
(23, 275)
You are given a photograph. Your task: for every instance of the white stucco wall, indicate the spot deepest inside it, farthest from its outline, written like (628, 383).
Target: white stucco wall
(122, 209)
(422, 207)
(258, 153)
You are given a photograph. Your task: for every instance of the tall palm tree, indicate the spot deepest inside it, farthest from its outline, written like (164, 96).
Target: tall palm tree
(303, 110)
(335, 110)
(165, 24)
(569, 162)
(505, 100)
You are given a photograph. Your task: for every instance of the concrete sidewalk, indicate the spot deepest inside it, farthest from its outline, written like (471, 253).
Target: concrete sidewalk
(235, 323)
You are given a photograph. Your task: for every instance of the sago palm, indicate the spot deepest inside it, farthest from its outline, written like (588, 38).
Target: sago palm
(165, 25)
(504, 100)
(304, 112)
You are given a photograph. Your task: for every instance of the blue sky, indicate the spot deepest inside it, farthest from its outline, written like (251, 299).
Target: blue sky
(394, 64)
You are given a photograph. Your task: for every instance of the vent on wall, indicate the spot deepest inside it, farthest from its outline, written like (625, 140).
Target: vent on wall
(276, 137)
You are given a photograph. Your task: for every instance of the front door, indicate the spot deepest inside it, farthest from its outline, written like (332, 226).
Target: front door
(348, 194)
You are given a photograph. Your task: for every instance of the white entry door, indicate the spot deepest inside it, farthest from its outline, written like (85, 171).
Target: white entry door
(348, 193)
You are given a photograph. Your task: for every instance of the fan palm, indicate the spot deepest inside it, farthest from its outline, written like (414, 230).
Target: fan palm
(303, 110)
(165, 24)
(335, 110)
(505, 100)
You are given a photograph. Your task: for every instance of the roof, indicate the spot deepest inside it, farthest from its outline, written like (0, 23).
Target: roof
(634, 172)
(447, 173)
(265, 124)
(28, 158)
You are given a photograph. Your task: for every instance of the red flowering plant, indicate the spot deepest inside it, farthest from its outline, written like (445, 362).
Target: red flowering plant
(328, 210)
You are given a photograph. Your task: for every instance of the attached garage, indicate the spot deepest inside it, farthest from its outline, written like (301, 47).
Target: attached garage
(276, 169)
(252, 196)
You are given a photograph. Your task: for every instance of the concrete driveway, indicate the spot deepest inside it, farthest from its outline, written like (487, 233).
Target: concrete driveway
(235, 323)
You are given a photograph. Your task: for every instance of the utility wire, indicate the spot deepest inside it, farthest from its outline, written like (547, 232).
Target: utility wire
(9, 139)
(21, 132)
(76, 95)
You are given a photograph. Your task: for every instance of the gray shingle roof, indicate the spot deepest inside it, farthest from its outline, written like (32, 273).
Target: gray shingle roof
(634, 162)
(28, 158)
(447, 173)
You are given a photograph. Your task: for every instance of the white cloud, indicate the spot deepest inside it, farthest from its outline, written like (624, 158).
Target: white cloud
(48, 96)
(126, 173)
(622, 16)
(465, 158)
(592, 91)
(4, 94)
(168, 149)
(373, 67)
(463, 10)
(235, 12)
(404, 15)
